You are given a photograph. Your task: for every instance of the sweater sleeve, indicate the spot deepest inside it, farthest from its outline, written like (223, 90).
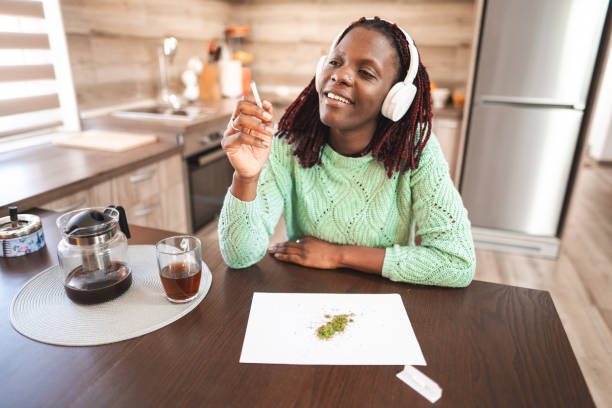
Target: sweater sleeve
(446, 255)
(245, 227)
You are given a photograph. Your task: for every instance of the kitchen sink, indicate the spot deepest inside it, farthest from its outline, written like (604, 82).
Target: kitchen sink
(184, 113)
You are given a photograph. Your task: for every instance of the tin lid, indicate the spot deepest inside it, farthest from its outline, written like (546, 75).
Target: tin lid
(25, 224)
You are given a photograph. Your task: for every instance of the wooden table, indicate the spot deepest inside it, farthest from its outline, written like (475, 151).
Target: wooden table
(487, 345)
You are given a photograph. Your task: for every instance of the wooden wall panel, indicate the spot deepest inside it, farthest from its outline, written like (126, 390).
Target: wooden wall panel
(195, 19)
(287, 38)
(112, 44)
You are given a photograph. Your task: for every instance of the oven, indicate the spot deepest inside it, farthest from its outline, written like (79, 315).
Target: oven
(210, 175)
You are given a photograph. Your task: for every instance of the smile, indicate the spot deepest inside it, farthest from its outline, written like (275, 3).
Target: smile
(339, 98)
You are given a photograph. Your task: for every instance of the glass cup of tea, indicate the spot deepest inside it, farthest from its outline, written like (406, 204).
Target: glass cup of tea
(180, 267)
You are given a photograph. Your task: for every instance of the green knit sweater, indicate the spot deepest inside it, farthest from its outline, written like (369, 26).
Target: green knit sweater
(351, 201)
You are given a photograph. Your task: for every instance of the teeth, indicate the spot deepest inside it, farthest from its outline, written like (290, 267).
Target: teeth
(338, 98)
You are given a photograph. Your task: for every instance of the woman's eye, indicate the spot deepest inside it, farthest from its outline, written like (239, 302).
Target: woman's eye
(334, 63)
(366, 74)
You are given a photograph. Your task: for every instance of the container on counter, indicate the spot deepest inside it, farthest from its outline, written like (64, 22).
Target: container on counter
(20, 234)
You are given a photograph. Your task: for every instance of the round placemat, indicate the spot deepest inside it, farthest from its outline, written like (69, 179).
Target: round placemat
(42, 311)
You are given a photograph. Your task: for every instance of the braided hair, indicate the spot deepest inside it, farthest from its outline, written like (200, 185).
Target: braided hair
(398, 145)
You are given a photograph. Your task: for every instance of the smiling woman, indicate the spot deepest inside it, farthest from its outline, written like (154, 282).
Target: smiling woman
(355, 168)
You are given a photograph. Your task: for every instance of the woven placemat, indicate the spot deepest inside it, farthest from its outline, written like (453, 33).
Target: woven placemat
(42, 311)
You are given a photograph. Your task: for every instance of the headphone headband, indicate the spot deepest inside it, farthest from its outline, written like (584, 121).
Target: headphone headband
(414, 54)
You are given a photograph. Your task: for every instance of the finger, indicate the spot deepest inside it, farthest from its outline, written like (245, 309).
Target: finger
(267, 105)
(278, 246)
(296, 244)
(255, 141)
(244, 122)
(289, 258)
(232, 129)
(250, 108)
(230, 138)
(239, 138)
(289, 250)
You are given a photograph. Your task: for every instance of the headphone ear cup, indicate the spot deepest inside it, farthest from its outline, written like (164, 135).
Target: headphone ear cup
(319, 70)
(398, 101)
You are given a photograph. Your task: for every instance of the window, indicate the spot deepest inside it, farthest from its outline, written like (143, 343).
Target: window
(36, 89)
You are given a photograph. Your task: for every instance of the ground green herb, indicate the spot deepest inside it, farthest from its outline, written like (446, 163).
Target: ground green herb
(337, 324)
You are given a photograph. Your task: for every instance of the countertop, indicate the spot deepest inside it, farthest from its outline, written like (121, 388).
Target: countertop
(34, 176)
(448, 112)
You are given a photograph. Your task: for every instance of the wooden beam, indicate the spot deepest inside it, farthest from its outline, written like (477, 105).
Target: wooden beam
(22, 8)
(12, 73)
(28, 104)
(22, 40)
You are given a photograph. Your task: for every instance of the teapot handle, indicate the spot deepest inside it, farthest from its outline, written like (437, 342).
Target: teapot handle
(123, 223)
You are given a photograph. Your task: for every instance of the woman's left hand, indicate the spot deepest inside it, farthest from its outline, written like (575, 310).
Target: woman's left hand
(308, 251)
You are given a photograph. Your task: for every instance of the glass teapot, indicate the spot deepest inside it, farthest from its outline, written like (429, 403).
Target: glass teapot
(92, 254)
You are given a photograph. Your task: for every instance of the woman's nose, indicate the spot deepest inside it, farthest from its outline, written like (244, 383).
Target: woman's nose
(343, 76)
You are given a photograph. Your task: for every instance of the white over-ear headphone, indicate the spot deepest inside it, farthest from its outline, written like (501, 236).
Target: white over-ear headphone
(400, 96)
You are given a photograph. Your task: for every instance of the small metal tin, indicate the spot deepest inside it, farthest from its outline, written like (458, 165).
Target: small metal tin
(25, 237)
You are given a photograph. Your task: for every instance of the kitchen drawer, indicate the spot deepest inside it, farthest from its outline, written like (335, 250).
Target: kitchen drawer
(147, 213)
(98, 195)
(135, 187)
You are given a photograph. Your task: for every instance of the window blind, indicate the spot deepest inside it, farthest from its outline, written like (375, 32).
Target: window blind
(30, 93)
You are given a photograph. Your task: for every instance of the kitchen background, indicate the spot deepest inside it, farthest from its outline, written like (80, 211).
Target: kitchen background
(113, 55)
(113, 45)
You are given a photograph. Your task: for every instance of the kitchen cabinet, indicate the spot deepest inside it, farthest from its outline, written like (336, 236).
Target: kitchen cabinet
(448, 130)
(153, 196)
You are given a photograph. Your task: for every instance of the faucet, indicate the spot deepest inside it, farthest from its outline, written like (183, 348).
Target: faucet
(165, 53)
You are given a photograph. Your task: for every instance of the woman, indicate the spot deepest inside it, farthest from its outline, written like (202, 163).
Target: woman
(351, 182)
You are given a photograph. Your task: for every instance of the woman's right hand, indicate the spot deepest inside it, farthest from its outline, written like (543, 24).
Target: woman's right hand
(247, 140)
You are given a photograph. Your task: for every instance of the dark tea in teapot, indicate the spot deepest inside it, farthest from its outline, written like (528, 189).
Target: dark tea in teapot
(84, 287)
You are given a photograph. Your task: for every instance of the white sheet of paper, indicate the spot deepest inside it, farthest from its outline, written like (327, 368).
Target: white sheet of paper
(282, 329)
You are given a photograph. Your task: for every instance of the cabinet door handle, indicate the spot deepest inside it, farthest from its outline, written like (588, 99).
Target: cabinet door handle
(142, 177)
(146, 211)
(72, 206)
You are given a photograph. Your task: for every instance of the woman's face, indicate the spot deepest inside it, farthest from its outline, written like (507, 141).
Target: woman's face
(356, 78)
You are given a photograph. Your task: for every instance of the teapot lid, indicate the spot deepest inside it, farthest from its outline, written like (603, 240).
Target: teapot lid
(89, 226)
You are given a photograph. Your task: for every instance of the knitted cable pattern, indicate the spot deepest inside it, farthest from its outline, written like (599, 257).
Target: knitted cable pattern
(350, 200)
